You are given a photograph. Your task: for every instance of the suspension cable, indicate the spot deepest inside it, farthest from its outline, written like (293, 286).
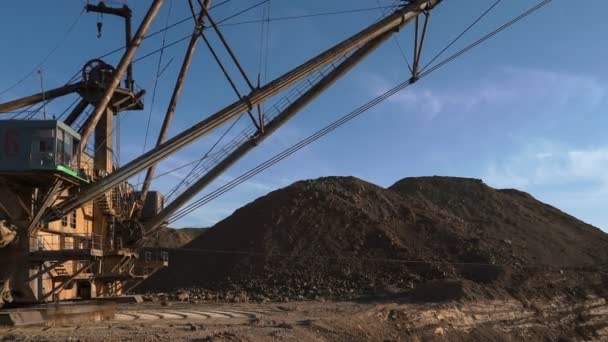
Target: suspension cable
(161, 30)
(220, 23)
(175, 42)
(262, 43)
(46, 57)
(461, 34)
(344, 119)
(267, 47)
(251, 130)
(165, 46)
(225, 72)
(68, 109)
(544, 267)
(231, 53)
(234, 87)
(176, 188)
(156, 78)
(312, 15)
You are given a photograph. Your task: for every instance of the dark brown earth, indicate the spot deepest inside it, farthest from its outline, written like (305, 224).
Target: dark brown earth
(341, 237)
(173, 238)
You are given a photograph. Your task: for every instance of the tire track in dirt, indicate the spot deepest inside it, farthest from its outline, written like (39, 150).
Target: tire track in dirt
(178, 314)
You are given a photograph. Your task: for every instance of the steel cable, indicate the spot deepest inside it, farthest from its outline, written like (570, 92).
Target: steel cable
(551, 268)
(46, 57)
(156, 78)
(329, 128)
(461, 34)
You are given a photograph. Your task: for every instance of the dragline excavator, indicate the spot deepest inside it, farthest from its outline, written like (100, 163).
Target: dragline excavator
(71, 226)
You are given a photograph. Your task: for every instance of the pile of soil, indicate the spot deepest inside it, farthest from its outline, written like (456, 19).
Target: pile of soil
(531, 232)
(172, 238)
(342, 237)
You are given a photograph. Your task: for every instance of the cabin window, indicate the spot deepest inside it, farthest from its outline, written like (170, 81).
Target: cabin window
(60, 147)
(42, 153)
(73, 219)
(67, 149)
(64, 221)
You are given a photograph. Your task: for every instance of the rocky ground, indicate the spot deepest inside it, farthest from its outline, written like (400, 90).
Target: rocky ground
(393, 320)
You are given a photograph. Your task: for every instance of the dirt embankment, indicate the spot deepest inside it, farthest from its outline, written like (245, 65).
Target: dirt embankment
(173, 238)
(341, 237)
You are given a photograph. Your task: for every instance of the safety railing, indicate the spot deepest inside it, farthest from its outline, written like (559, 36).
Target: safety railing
(153, 255)
(50, 160)
(71, 242)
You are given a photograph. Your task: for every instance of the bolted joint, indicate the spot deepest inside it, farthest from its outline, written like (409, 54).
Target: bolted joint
(247, 99)
(256, 139)
(431, 5)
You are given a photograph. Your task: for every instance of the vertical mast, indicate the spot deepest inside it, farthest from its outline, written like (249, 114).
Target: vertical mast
(125, 61)
(177, 90)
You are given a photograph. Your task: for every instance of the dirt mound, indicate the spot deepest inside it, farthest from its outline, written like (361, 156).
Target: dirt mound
(173, 238)
(341, 237)
(523, 229)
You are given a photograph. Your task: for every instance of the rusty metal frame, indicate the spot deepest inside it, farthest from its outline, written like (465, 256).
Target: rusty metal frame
(125, 13)
(40, 97)
(177, 90)
(419, 39)
(64, 283)
(227, 76)
(139, 281)
(48, 200)
(13, 197)
(75, 113)
(122, 67)
(390, 24)
(228, 48)
(45, 270)
(340, 70)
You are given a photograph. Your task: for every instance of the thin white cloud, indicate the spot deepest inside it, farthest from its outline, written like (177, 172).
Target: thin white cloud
(546, 164)
(511, 89)
(571, 178)
(257, 185)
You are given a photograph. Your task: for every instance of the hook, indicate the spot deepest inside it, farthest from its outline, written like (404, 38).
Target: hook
(99, 25)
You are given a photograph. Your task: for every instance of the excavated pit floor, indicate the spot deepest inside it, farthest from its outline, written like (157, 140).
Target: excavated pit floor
(55, 314)
(504, 320)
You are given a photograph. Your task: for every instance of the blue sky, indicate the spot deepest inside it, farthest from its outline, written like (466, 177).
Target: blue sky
(525, 110)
